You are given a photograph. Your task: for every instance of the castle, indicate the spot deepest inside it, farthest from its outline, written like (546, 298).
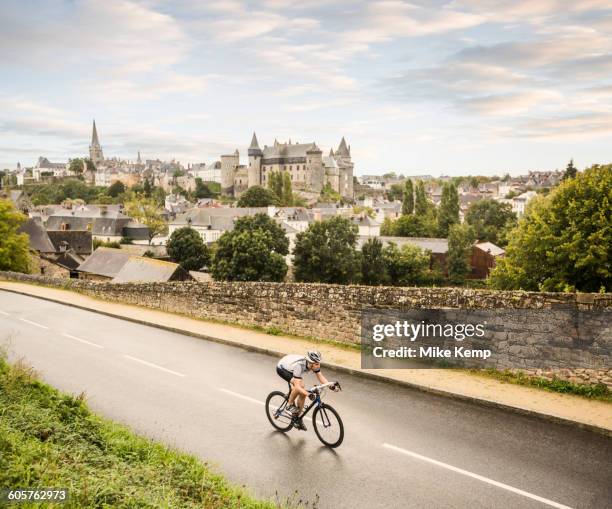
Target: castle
(308, 169)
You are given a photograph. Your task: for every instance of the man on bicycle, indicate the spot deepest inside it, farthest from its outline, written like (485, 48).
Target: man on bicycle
(292, 369)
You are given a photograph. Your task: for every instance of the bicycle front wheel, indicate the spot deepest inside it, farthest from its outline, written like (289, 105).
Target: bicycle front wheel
(278, 416)
(328, 426)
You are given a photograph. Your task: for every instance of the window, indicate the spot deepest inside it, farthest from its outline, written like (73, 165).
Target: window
(290, 167)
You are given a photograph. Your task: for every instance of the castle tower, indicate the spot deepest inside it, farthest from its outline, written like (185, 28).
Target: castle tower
(254, 170)
(229, 163)
(95, 150)
(314, 168)
(345, 164)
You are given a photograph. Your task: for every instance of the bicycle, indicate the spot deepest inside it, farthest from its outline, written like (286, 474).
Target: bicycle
(326, 421)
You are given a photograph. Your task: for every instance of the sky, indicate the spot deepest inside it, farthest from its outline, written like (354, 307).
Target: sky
(435, 87)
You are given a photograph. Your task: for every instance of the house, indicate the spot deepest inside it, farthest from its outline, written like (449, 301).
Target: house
(57, 253)
(368, 227)
(20, 199)
(138, 269)
(484, 255)
(103, 264)
(520, 202)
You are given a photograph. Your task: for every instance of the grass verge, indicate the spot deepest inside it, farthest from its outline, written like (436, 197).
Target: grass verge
(50, 439)
(599, 392)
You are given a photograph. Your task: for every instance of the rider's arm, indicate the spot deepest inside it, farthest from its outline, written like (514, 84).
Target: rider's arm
(321, 378)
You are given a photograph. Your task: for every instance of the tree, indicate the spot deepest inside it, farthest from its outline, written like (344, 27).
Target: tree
(254, 250)
(77, 166)
(328, 195)
(461, 238)
(14, 246)
(407, 265)
(202, 190)
(396, 192)
(373, 269)
(408, 201)
(421, 204)
(147, 188)
(448, 214)
(187, 248)
(491, 220)
(326, 253)
(564, 240)
(287, 195)
(570, 171)
(116, 188)
(147, 211)
(257, 196)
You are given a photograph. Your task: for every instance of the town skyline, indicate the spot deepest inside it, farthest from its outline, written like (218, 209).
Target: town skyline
(454, 88)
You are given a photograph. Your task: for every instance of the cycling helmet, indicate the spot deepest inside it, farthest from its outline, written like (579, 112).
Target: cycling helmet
(314, 356)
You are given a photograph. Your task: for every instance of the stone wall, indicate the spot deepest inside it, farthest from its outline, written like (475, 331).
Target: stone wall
(331, 312)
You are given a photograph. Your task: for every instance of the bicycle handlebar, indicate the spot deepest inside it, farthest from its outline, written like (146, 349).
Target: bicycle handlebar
(319, 388)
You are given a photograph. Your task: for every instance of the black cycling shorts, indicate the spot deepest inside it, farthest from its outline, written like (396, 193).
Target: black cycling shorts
(285, 374)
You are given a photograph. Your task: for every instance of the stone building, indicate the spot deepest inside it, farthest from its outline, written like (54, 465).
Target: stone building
(95, 150)
(308, 169)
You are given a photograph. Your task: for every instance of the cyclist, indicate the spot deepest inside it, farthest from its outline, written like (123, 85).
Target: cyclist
(292, 369)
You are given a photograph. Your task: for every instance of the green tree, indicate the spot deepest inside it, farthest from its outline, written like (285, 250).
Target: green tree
(254, 250)
(408, 201)
(328, 195)
(373, 269)
(563, 241)
(407, 265)
(570, 171)
(147, 188)
(491, 220)
(147, 211)
(14, 246)
(257, 196)
(202, 190)
(287, 195)
(396, 192)
(187, 248)
(116, 188)
(421, 204)
(76, 166)
(326, 253)
(461, 238)
(448, 214)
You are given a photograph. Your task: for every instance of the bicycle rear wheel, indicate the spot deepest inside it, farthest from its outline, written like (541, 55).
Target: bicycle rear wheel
(328, 426)
(276, 403)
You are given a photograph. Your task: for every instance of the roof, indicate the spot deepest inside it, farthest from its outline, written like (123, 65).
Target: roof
(286, 150)
(217, 218)
(139, 268)
(342, 148)
(288, 229)
(105, 261)
(39, 240)
(365, 220)
(490, 247)
(78, 240)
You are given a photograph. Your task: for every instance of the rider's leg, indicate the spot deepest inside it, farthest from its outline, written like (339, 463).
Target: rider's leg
(295, 391)
(300, 402)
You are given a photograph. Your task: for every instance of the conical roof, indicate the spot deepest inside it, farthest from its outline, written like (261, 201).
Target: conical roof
(342, 148)
(94, 135)
(254, 147)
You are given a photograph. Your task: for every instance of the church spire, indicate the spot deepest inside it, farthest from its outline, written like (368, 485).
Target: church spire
(94, 136)
(139, 160)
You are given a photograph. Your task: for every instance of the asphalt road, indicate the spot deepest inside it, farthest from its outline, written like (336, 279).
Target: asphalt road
(402, 448)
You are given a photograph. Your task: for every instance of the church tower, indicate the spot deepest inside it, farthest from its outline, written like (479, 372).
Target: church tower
(254, 170)
(95, 150)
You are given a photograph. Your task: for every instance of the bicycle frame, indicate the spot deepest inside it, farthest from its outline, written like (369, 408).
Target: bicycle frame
(317, 401)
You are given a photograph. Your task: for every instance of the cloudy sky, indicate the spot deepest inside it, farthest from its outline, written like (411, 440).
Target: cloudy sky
(458, 87)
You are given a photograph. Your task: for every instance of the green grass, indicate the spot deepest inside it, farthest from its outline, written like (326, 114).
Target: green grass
(50, 439)
(598, 391)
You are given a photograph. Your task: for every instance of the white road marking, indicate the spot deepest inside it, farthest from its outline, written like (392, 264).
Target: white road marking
(476, 476)
(150, 364)
(4, 313)
(34, 323)
(81, 340)
(248, 398)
